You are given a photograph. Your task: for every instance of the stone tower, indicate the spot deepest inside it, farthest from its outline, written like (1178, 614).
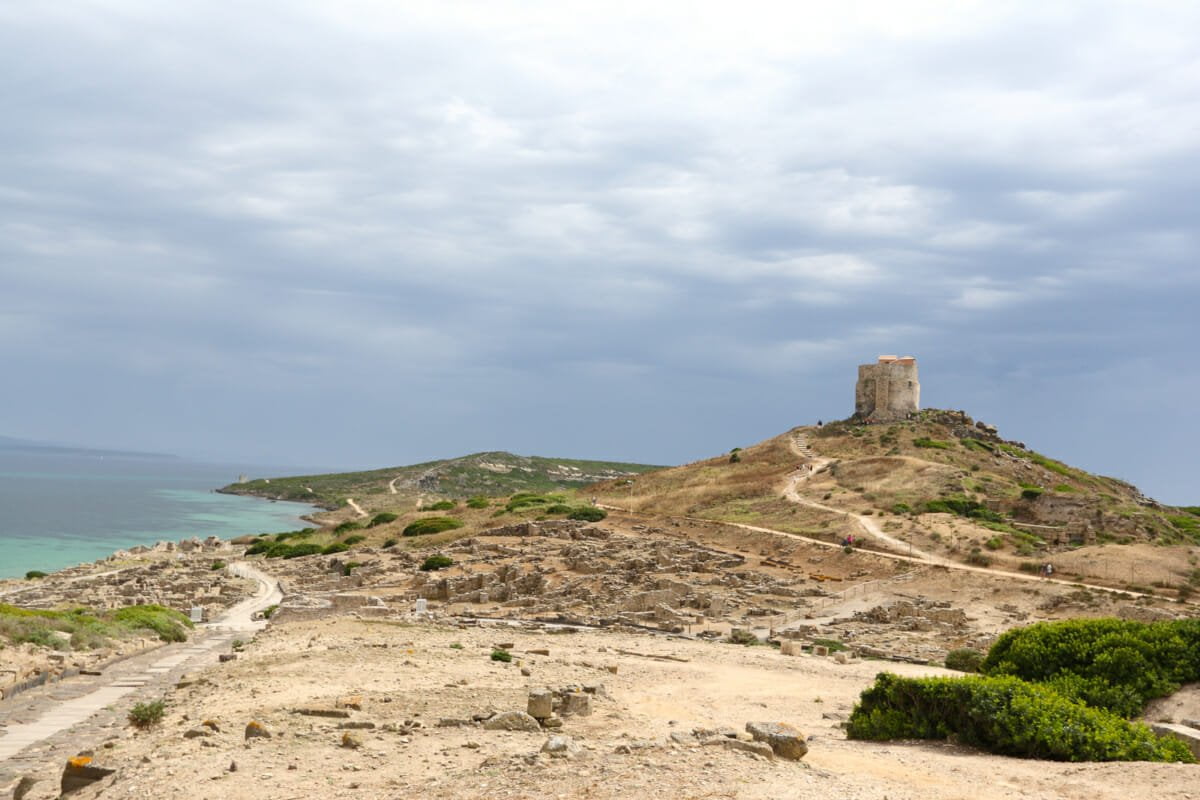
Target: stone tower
(887, 390)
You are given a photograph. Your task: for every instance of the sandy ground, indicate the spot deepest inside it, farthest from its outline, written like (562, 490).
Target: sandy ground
(423, 672)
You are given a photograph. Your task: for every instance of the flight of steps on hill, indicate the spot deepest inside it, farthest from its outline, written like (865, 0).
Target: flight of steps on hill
(802, 445)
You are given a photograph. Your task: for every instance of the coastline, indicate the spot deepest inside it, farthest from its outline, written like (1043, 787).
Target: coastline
(62, 512)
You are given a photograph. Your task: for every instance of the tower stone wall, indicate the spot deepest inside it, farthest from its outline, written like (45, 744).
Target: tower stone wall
(887, 390)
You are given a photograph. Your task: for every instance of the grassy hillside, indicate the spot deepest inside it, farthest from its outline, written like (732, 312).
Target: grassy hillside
(940, 482)
(494, 474)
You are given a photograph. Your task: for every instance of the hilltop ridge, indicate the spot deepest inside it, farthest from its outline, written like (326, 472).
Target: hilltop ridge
(491, 473)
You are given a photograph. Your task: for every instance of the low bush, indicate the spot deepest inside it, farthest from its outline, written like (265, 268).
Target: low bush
(169, 624)
(270, 610)
(741, 636)
(34, 574)
(979, 558)
(217, 565)
(1004, 715)
(1031, 493)
(994, 543)
(390, 543)
(382, 518)
(1112, 664)
(349, 567)
(334, 549)
(523, 500)
(347, 526)
(441, 505)
(559, 508)
(901, 508)
(964, 659)
(424, 527)
(478, 502)
(147, 715)
(501, 655)
(434, 563)
(935, 444)
(588, 514)
(350, 541)
(962, 507)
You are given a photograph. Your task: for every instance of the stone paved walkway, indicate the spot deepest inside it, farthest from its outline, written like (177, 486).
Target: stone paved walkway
(48, 725)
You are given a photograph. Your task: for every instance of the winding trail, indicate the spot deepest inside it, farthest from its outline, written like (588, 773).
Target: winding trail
(52, 713)
(357, 508)
(392, 484)
(813, 465)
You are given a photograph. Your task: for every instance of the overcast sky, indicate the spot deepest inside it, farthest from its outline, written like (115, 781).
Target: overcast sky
(359, 234)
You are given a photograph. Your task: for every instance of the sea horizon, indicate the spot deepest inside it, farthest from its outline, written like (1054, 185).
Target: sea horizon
(60, 509)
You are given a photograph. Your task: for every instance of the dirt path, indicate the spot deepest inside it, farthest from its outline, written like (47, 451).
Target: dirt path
(814, 464)
(392, 485)
(357, 508)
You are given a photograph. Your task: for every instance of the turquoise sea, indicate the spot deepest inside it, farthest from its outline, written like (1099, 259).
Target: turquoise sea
(58, 510)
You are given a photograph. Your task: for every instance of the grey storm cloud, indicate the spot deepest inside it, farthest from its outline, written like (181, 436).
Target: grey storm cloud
(369, 233)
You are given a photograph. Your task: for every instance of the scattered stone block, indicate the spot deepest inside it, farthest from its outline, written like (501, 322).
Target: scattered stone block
(540, 651)
(785, 740)
(575, 704)
(353, 701)
(197, 732)
(560, 746)
(820, 650)
(791, 647)
(512, 721)
(316, 711)
(79, 773)
(256, 730)
(541, 703)
(754, 748)
(351, 741)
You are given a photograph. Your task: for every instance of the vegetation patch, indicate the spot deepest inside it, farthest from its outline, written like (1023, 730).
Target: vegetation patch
(525, 500)
(501, 655)
(441, 505)
(147, 715)
(964, 659)
(1004, 715)
(1111, 664)
(169, 624)
(935, 444)
(347, 526)
(588, 514)
(429, 525)
(962, 507)
(350, 541)
(479, 501)
(383, 518)
(434, 563)
(34, 574)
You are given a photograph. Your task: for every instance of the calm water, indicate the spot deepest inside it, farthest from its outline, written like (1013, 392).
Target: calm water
(60, 510)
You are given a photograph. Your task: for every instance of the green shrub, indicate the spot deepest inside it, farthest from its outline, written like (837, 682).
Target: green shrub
(964, 659)
(382, 518)
(1004, 715)
(558, 508)
(270, 610)
(442, 505)
(434, 563)
(588, 514)
(501, 655)
(347, 526)
(216, 565)
(261, 546)
(833, 645)
(295, 550)
(735, 458)
(901, 508)
(935, 444)
(390, 543)
(963, 507)
(979, 558)
(478, 502)
(423, 527)
(147, 715)
(334, 549)
(994, 543)
(350, 541)
(1031, 493)
(349, 567)
(1112, 664)
(34, 574)
(169, 624)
